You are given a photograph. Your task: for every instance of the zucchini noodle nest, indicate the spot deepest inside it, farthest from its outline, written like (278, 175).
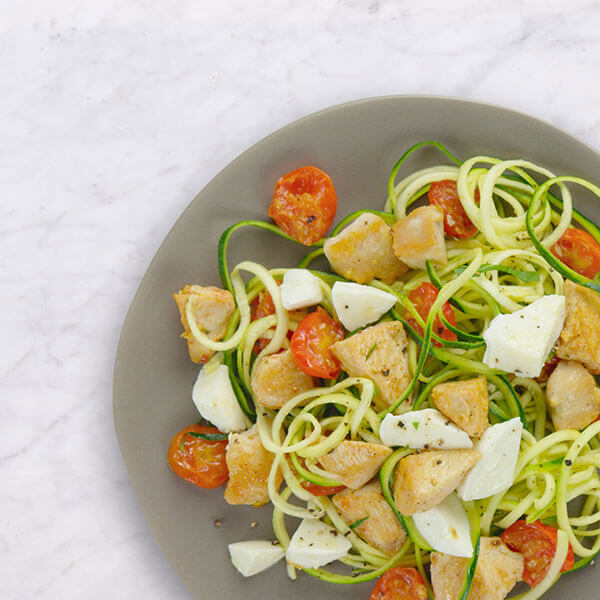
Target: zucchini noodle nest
(520, 210)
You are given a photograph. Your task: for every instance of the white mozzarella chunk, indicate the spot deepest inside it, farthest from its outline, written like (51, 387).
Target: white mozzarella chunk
(215, 400)
(358, 305)
(427, 428)
(315, 544)
(300, 288)
(520, 342)
(446, 528)
(495, 471)
(254, 556)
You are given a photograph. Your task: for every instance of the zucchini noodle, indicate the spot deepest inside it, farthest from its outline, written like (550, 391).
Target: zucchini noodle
(506, 265)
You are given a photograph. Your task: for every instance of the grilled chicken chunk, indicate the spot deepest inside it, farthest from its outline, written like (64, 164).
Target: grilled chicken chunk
(573, 396)
(355, 463)
(249, 465)
(381, 529)
(466, 403)
(212, 309)
(363, 251)
(580, 338)
(498, 570)
(420, 237)
(277, 378)
(423, 480)
(379, 353)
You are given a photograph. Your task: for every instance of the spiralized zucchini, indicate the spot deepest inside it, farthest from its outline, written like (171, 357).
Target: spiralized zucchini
(505, 266)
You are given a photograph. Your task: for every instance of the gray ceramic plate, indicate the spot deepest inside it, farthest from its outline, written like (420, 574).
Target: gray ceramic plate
(357, 144)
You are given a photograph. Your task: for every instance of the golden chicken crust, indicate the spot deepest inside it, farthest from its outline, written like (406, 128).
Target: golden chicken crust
(381, 528)
(423, 480)
(580, 338)
(573, 396)
(466, 403)
(378, 353)
(498, 571)
(212, 310)
(363, 251)
(249, 465)
(420, 237)
(355, 463)
(277, 378)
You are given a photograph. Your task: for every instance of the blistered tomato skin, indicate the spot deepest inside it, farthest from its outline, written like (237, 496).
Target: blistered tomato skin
(579, 251)
(444, 195)
(537, 543)
(311, 342)
(199, 461)
(322, 490)
(423, 298)
(304, 204)
(399, 583)
(261, 306)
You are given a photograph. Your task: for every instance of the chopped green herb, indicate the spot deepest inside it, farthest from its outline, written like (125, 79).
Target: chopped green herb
(371, 349)
(358, 523)
(416, 424)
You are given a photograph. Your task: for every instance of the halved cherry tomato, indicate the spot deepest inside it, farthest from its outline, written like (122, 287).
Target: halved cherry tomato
(444, 195)
(311, 342)
(304, 204)
(201, 461)
(399, 583)
(262, 306)
(423, 298)
(537, 543)
(321, 490)
(579, 251)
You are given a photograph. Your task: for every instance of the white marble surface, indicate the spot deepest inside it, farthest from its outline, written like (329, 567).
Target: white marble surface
(113, 114)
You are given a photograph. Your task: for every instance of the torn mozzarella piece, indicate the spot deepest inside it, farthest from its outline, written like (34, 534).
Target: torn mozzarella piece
(300, 288)
(520, 342)
(315, 544)
(358, 305)
(427, 428)
(445, 528)
(495, 472)
(254, 556)
(215, 399)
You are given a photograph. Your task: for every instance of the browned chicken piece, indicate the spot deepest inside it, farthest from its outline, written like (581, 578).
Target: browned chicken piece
(355, 463)
(573, 396)
(420, 237)
(465, 403)
(363, 251)
(498, 571)
(381, 528)
(249, 465)
(580, 337)
(212, 309)
(378, 353)
(423, 480)
(277, 378)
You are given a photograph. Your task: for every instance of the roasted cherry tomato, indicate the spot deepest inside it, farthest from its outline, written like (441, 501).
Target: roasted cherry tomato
(322, 490)
(548, 369)
(399, 583)
(444, 195)
(304, 204)
(537, 543)
(423, 298)
(579, 251)
(201, 461)
(311, 342)
(262, 306)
